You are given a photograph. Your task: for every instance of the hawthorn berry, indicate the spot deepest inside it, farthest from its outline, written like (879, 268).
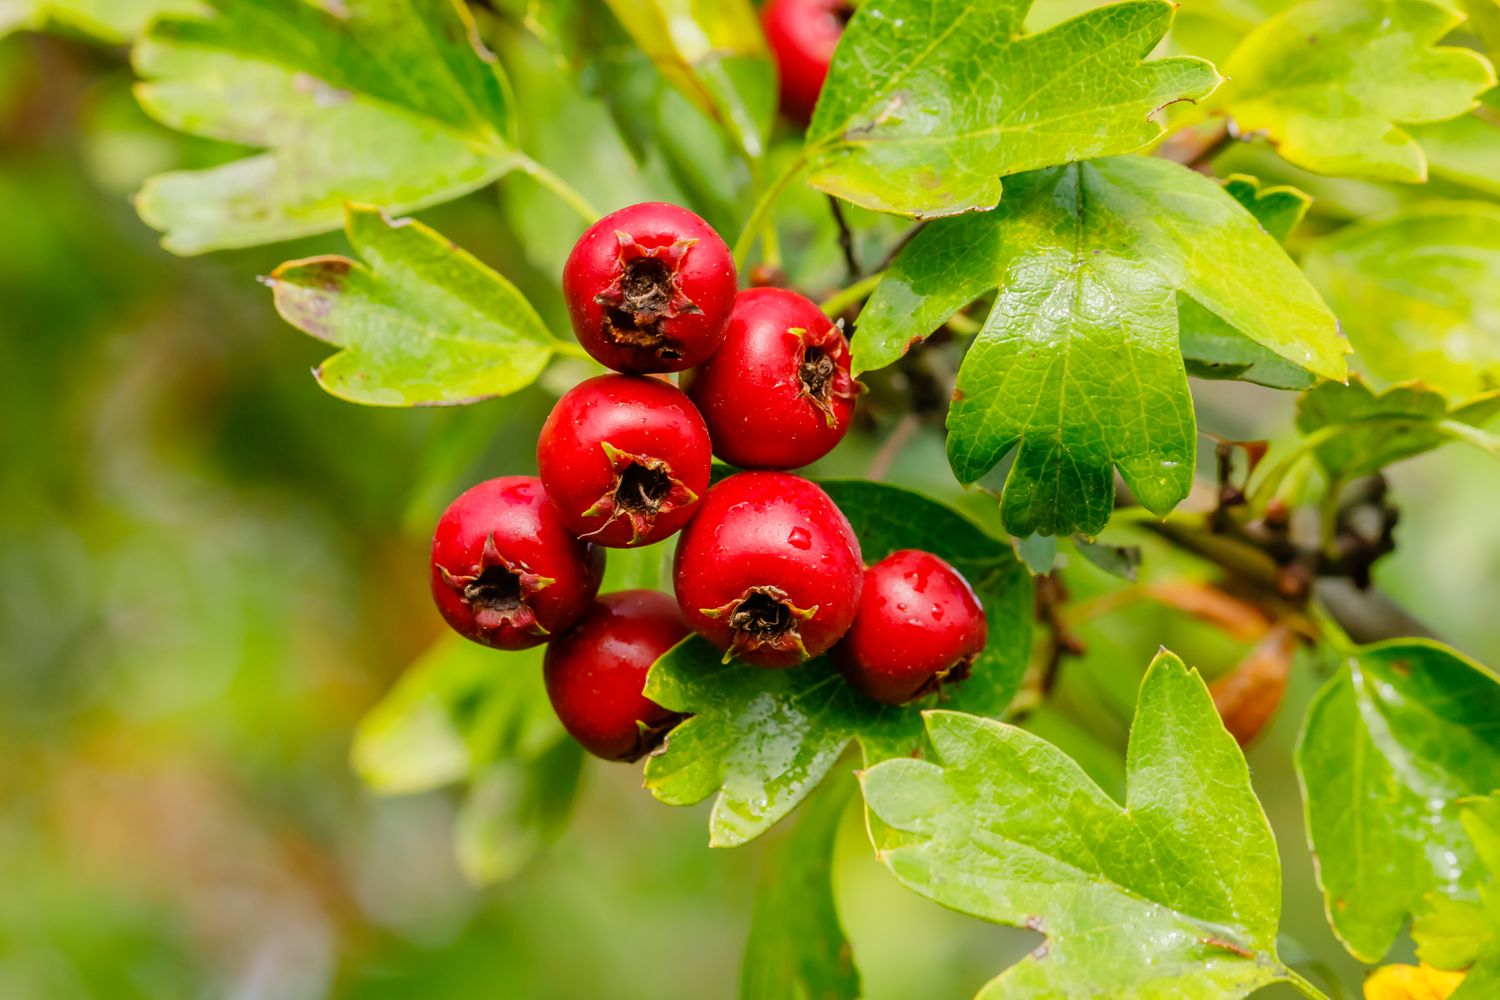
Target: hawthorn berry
(769, 570)
(919, 625)
(596, 673)
(778, 394)
(649, 289)
(802, 35)
(505, 571)
(625, 459)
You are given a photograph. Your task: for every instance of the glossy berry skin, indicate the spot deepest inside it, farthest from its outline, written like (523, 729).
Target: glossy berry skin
(778, 394)
(505, 571)
(596, 671)
(649, 289)
(919, 624)
(625, 459)
(802, 35)
(769, 571)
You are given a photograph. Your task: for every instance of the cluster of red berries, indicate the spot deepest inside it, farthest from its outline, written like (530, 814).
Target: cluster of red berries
(767, 568)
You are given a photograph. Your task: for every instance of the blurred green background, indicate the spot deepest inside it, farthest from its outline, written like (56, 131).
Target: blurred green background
(210, 570)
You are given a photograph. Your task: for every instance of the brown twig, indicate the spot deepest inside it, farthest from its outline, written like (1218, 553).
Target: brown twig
(846, 240)
(900, 436)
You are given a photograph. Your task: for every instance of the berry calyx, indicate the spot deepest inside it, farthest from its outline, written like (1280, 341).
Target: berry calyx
(649, 289)
(803, 35)
(919, 626)
(625, 459)
(769, 570)
(778, 394)
(505, 571)
(596, 673)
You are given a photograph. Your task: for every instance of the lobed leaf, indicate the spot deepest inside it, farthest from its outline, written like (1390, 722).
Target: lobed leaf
(1175, 895)
(421, 322)
(393, 102)
(929, 103)
(1401, 733)
(1419, 293)
(1377, 429)
(1214, 349)
(1330, 82)
(1078, 365)
(761, 740)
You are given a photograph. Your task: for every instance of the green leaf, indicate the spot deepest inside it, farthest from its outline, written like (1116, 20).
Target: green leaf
(514, 809)
(455, 710)
(1330, 82)
(929, 103)
(1402, 732)
(1373, 430)
(108, 20)
(421, 322)
(763, 739)
(797, 947)
(1465, 934)
(392, 102)
(1419, 293)
(713, 51)
(1078, 365)
(1213, 349)
(1175, 895)
(1466, 149)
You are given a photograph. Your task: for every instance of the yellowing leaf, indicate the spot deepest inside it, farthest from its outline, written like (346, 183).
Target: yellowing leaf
(1330, 82)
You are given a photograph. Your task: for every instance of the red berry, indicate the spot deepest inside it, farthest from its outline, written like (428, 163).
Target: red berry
(769, 570)
(919, 625)
(596, 671)
(505, 571)
(803, 35)
(778, 394)
(649, 289)
(625, 459)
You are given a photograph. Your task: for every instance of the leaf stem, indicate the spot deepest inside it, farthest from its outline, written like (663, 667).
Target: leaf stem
(1306, 988)
(760, 216)
(565, 191)
(840, 301)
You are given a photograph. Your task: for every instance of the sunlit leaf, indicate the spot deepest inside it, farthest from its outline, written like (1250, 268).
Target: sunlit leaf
(1331, 82)
(1078, 365)
(1419, 293)
(108, 20)
(420, 321)
(761, 740)
(929, 103)
(1177, 894)
(514, 808)
(1402, 732)
(392, 102)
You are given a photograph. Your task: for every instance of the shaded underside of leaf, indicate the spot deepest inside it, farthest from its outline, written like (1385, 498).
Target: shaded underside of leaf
(930, 102)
